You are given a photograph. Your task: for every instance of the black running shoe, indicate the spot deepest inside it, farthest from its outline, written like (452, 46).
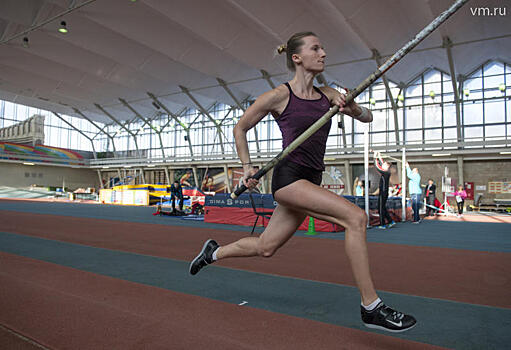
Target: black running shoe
(387, 319)
(205, 256)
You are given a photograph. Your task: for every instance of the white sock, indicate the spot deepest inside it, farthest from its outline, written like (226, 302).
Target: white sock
(371, 306)
(214, 254)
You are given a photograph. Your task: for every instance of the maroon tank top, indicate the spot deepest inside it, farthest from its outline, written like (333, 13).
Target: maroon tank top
(297, 117)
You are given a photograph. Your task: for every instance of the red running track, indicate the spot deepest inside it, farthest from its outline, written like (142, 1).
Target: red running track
(13, 341)
(65, 308)
(427, 271)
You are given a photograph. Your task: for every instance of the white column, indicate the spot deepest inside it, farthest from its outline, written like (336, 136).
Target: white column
(143, 175)
(194, 169)
(100, 179)
(167, 177)
(227, 182)
(347, 175)
(403, 186)
(461, 179)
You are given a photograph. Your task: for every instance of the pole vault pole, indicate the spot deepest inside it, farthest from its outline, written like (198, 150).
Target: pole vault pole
(366, 171)
(397, 160)
(357, 91)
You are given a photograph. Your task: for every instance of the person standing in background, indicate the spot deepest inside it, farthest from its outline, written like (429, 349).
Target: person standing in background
(359, 188)
(383, 168)
(415, 191)
(176, 192)
(430, 198)
(460, 195)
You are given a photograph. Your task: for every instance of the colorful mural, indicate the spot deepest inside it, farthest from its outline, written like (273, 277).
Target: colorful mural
(11, 149)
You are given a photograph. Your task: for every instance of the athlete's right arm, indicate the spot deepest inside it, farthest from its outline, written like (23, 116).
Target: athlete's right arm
(268, 102)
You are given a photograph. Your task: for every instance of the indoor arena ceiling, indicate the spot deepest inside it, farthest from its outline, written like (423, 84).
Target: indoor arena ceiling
(123, 49)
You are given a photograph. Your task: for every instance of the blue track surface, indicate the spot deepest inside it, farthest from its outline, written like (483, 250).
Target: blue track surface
(491, 237)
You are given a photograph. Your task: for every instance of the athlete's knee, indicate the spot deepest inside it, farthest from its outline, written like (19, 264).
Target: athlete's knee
(268, 253)
(358, 219)
(266, 250)
(362, 220)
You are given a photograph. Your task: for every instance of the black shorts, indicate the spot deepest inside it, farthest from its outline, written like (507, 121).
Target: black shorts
(286, 172)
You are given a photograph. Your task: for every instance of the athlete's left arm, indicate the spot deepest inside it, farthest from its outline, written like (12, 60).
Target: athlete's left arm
(352, 109)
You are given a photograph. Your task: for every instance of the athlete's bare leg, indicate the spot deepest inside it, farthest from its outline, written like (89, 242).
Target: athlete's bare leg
(326, 205)
(283, 224)
(321, 204)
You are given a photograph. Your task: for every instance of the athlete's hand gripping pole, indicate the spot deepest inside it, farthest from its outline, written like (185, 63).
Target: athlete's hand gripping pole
(357, 91)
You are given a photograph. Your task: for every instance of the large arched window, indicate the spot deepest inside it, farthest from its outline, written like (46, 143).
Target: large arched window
(429, 109)
(426, 114)
(486, 102)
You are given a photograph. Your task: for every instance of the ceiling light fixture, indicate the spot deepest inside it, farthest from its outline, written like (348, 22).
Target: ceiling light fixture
(441, 154)
(502, 87)
(63, 27)
(505, 152)
(25, 43)
(27, 163)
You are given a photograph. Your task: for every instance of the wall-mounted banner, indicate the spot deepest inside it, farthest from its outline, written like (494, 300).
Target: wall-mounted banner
(185, 177)
(333, 180)
(213, 180)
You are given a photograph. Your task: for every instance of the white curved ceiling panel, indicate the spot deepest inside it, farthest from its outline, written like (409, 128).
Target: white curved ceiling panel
(122, 49)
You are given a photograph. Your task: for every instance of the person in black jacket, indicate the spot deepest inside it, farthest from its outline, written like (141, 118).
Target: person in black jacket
(430, 198)
(176, 191)
(383, 168)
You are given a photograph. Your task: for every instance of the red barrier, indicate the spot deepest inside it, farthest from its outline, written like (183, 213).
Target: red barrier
(246, 217)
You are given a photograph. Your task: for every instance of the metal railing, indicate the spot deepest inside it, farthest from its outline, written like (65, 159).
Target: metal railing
(472, 146)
